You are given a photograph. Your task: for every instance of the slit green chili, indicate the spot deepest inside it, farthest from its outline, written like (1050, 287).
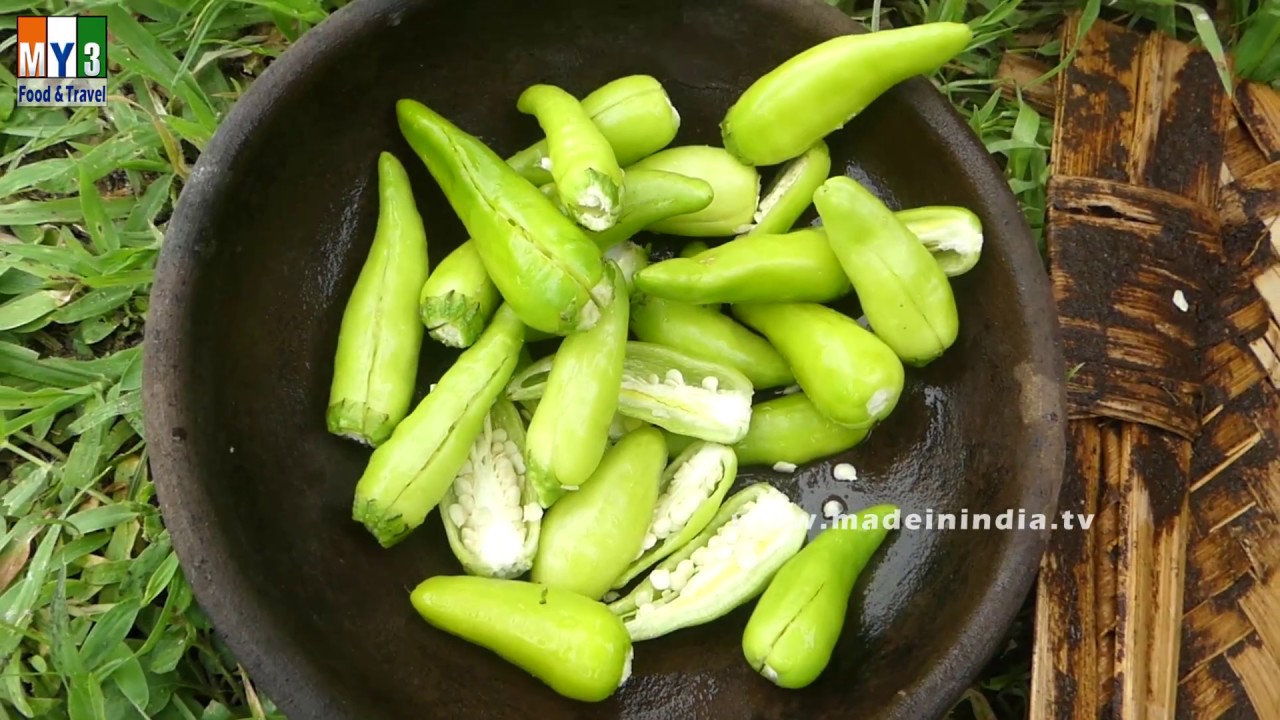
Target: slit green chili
(905, 296)
(408, 474)
(376, 363)
(547, 270)
(798, 620)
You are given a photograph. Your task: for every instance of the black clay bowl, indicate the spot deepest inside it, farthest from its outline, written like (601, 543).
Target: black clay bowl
(265, 247)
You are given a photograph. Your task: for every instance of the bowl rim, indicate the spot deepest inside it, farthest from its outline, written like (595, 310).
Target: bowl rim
(290, 678)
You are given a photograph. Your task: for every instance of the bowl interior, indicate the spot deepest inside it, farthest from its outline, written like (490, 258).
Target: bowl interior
(267, 244)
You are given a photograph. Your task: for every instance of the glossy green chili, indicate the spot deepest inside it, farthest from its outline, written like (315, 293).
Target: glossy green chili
(664, 387)
(953, 235)
(572, 644)
(570, 428)
(490, 513)
(790, 429)
(905, 296)
(790, 192)
(726, 565)
(546, 268)
(735, 188)
(818, 91)
(705, 332)
(458, 298)
(586, 173)
(692, 489)
(633, 113)
(591, 535)
(851, 376)
(795, 267)
(799, 617)
(408, 474)
(651, 197)
(376, 363)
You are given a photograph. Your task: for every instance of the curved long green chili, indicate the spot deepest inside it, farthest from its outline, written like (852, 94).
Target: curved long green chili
(587, 176)
(818, 91)
(634, 113)
(795, 267)
(376, 363)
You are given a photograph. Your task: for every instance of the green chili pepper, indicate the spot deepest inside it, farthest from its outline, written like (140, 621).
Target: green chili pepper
(572, 644)
(953, 235)
(735, 188)
(796, 267)
(651, 197)
(693, 249)
(667, 388)
(853, 377)
(633, 113)
(586, 173)
(542, 263)
(726, 565)
(490, 514)
(408, 474)
(591, 535)
(795, 625)
(376, 363)
(905, 296)
(693, 487)
(790, 429)
(821, 89)
(458, 298)
(707, 333)
(570, 428)
(791, 191)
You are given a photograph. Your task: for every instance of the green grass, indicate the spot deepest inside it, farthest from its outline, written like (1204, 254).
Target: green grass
(96, 618)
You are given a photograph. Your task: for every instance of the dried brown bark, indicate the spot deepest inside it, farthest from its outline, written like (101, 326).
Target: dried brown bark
(1131, 229)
